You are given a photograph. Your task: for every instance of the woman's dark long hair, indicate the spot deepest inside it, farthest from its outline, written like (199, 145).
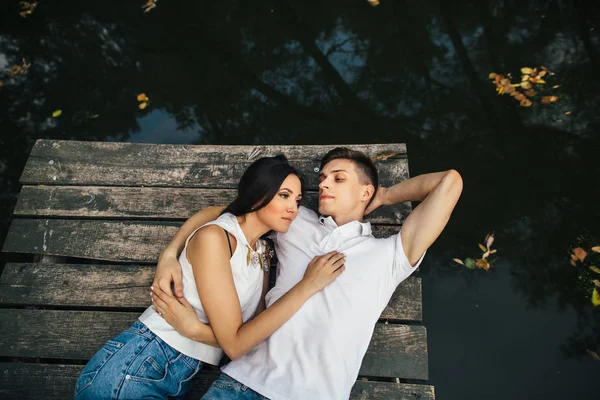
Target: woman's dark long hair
(260, 183)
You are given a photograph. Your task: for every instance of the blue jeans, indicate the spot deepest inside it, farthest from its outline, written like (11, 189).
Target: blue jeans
(226, 388)
(136, 364)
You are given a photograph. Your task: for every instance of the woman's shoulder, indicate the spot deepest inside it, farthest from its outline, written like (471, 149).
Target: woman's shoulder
(211, 235)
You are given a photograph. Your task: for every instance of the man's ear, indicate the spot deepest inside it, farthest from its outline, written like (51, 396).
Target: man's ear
(368, 193)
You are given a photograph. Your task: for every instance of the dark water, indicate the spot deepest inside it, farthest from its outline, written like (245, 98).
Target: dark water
(307, 73)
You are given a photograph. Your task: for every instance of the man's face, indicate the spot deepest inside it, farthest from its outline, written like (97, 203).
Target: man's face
(341, 193)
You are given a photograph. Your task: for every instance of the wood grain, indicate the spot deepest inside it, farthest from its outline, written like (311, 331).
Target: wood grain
(395, 350)
(136, 164)
(149, 203)
(87, 285)
(118, 241)
(24, 381)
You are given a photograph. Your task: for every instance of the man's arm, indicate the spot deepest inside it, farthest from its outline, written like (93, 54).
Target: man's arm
(438, 193)
(168, 269)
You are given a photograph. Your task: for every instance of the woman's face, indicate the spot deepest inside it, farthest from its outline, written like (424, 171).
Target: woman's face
(283, 208)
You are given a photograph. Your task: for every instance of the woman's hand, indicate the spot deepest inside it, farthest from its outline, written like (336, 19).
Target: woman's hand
(168, 270)
(379, 200)
(180, 314)
(323, 270)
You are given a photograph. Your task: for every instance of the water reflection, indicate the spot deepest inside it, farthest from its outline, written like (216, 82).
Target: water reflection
(300, 72)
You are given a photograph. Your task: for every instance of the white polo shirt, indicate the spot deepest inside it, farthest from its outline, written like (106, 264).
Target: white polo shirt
(317, 354)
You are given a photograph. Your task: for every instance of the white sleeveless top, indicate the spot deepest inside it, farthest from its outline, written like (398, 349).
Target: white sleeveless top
(248, 280)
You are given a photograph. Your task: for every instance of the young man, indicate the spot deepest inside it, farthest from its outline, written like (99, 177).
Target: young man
(317, 354)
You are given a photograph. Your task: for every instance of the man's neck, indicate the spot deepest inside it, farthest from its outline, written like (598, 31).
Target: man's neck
(347, 218)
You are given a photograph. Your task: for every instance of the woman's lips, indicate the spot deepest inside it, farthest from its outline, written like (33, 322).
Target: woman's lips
(325, 197)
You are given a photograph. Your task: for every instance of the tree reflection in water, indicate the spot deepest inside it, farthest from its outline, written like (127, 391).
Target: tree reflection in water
(292, 72)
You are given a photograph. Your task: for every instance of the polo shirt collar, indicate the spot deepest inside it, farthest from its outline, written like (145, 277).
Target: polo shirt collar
(357, 227)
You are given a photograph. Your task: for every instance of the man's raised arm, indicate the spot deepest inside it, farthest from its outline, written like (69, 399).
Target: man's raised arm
(168, 269)
(438, 193)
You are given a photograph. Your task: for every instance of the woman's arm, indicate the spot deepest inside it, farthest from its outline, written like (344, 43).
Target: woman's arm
(209, 256)
(168, 269)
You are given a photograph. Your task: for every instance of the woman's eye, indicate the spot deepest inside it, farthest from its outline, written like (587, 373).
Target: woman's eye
(284, 195)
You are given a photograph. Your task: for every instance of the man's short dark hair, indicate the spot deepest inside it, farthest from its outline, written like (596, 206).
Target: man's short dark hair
(367, 173)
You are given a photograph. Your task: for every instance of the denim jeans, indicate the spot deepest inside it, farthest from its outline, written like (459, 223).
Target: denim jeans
(226, 388)
(136, 364)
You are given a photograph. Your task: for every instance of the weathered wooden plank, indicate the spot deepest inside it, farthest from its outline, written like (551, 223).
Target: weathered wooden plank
(149, 203)
(410, 363)
(391, 391)
(57, 382)
(137, 164)
(89, 285)
(120, 241)
(395, 350)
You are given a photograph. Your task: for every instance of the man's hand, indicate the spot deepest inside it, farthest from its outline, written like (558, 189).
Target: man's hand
(168, 270)
(379, 200)
(180, 314)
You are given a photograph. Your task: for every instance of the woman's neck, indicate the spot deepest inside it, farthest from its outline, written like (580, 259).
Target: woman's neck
(252, 227)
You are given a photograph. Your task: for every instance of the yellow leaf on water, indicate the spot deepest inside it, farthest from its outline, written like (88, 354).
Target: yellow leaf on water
(596, 249)
(56, 113)
(489, 240)
(1, 83)
(568, 112)
(594, 355)
(595, 298)
(524, 78)
(493, 251)
(482, 263)
(492, 75)
(525, 103)
(596, 282)
(483, 248)
(458, 261)
(142, 97)
(595, 269)
(555, 86)
(374, 3)
(143, 105)
(580, 253)
(526, 85)
(526, 70)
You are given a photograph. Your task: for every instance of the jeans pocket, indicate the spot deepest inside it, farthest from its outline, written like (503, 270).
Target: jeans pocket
(188, 368)
(150, 369)
(90, 371)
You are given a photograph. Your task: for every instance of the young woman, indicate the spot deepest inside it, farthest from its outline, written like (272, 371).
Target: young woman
(225, 268)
